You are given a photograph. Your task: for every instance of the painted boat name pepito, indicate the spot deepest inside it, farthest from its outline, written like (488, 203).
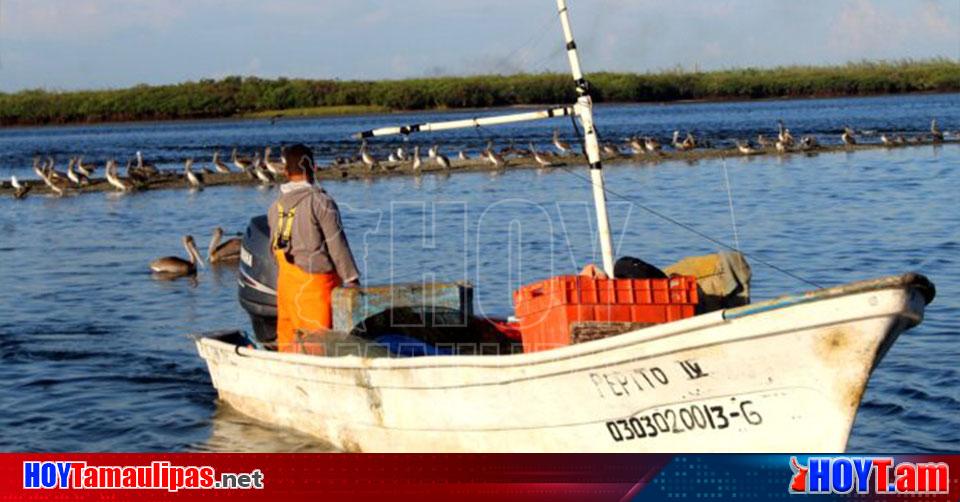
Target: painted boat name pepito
(621, 383)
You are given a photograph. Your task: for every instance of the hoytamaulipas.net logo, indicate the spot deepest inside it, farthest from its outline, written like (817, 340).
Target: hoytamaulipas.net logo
(158, 475)
(875, 475)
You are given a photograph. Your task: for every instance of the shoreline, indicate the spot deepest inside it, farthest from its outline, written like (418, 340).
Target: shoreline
(171, 180)
(369, 110)
(238, 97)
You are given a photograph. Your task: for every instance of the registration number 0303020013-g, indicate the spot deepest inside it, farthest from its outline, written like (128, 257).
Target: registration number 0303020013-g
(682, 419)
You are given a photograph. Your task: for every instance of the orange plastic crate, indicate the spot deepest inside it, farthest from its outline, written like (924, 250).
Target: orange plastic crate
(548, 308)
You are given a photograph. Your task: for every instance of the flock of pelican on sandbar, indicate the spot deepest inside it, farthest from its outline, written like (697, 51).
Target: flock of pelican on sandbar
(139, 173)
(783, 142)
(267, 170)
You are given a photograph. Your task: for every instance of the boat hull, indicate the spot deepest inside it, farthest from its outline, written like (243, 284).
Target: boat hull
(785, 375)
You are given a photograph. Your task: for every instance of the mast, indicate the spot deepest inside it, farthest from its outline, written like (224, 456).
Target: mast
(584, 109)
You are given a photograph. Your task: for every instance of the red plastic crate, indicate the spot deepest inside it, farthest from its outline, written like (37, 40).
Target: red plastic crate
(548, 308)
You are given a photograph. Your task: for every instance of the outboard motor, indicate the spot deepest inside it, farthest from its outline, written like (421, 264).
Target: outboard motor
(258, 280)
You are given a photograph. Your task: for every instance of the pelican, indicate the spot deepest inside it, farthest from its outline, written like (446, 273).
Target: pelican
(259, 171)
(401, 154)
(543, 161)
(57, 185)
(688, 143)
(393, 158)
(781, 146)
(37, 168)
(85, 169)
(192, 178)
(171, 267)
(848, 138)
(219, 252)
(886, 140)
(652, 145)
(275, 168)
(218, 164)
(783, 134)
(111, 173)
(762, 141)
(20, 190)
(745, 148)
(935, 132)
(370, 161)
(147, 169)
(432, 153)
(50, 172)
(416, 158)
(809, 143)
(611, 150)
(637, 145)
(77, 178)
(494, 158)
(462, 155)
(442, 160)
(560, 144)
(243, 163)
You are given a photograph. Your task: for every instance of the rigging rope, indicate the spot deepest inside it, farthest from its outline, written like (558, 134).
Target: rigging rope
(733, 214)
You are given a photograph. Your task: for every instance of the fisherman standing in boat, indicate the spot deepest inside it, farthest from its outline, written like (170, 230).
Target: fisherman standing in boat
(311, 249)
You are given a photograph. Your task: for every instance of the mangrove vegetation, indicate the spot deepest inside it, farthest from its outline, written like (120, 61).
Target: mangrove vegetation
(252, 96)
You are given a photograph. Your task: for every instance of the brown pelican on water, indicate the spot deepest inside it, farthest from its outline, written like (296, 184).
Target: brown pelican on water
(171, 267)
(20, 190)
(560, 144)
(195, 182)
(848, 137)
(218, 164)
(219, 252)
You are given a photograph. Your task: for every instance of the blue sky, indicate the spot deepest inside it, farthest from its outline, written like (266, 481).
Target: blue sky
(71, 44)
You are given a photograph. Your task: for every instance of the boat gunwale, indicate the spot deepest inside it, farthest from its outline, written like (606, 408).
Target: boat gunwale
(901, 282)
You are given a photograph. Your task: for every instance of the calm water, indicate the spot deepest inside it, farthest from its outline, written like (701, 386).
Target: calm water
(94, 351)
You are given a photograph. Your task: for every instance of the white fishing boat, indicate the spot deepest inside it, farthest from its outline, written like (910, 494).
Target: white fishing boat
(781, 375)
